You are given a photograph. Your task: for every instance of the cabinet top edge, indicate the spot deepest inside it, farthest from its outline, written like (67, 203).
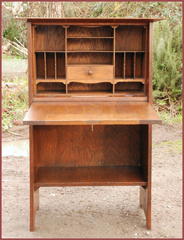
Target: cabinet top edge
(88, 20)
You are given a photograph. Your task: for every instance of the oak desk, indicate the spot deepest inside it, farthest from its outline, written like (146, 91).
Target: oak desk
(91, 113)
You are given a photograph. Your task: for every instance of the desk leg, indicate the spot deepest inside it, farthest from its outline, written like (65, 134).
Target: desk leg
(145, 204)
(34, 206)
(145, 192)
(34, 192)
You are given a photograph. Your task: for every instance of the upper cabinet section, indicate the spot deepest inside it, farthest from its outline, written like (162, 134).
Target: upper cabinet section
(90, 57)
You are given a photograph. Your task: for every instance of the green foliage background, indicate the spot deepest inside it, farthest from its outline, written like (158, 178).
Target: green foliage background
(167, 64)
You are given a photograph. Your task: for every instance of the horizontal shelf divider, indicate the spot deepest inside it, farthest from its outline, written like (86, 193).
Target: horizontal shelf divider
(50, 51)
(90, 37)
(93, 81)
(86, 176)
(51, 80)
(89, 51)
(116, 51)
(131, 80)
(78, 51)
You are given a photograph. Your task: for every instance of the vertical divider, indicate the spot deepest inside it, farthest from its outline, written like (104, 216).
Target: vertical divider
(145, 55)
(33, 61)
(114, 56)
(66, 57)
(55, 64)
(134, 64)
(45, 65)
(124, 65)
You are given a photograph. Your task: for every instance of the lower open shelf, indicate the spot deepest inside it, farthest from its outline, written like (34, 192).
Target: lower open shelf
(86, 176)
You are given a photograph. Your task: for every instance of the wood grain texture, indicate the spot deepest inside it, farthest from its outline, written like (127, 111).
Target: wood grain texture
(89, 176)
(100, 88)
(129, 38)
(40, 66)
(85, 31)
(52, 87)
(90, 44)
(90, 113)
(31, 56)
(50, 62)
(79, 146)
(90, 58)
(92, 73)
(44, 41)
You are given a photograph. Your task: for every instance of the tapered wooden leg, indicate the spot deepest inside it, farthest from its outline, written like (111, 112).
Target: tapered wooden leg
(34, 205)
(145, 204)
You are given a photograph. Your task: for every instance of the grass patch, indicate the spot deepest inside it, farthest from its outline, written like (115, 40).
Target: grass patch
(175, 146)
(168, 118)
(10, 57)
(15, 102)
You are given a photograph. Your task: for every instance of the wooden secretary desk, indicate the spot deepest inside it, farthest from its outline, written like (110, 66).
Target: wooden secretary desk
(90, 96)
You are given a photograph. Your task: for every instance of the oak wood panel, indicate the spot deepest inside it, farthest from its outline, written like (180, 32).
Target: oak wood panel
(139, 70)
(90, 113)
(87, 89)
(130, 87)
(90, 44)
(40, 65)
(89, 176)
(85, 31)
(129, 65)
(119, 65)
(90, 58)
(60, 63)
(50, 62)
(79, 146)
(44, 41)
(89, 72)
(50, 87)
(129, 38)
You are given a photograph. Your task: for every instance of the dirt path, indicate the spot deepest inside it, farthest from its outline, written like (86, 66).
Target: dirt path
(97, 211)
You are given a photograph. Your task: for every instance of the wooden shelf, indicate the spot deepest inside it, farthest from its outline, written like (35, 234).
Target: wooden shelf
(89, 51)
(141, 80)
(92, 81)
(130, 93)
(122, 51)
(50, 51)
(90, 94)
(89, 176)
(90, 37)
(87, 113)
(63, 51)
(52, 92)
(50, 80)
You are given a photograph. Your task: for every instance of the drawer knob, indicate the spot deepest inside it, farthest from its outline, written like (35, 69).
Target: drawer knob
(90, 72)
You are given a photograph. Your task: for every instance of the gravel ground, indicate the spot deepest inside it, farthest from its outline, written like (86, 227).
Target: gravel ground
(98, 212)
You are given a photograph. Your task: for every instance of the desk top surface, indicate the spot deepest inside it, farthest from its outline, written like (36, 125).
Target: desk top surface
(87, 113)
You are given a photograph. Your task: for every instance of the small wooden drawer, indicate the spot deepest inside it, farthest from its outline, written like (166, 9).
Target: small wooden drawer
(89, 73)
